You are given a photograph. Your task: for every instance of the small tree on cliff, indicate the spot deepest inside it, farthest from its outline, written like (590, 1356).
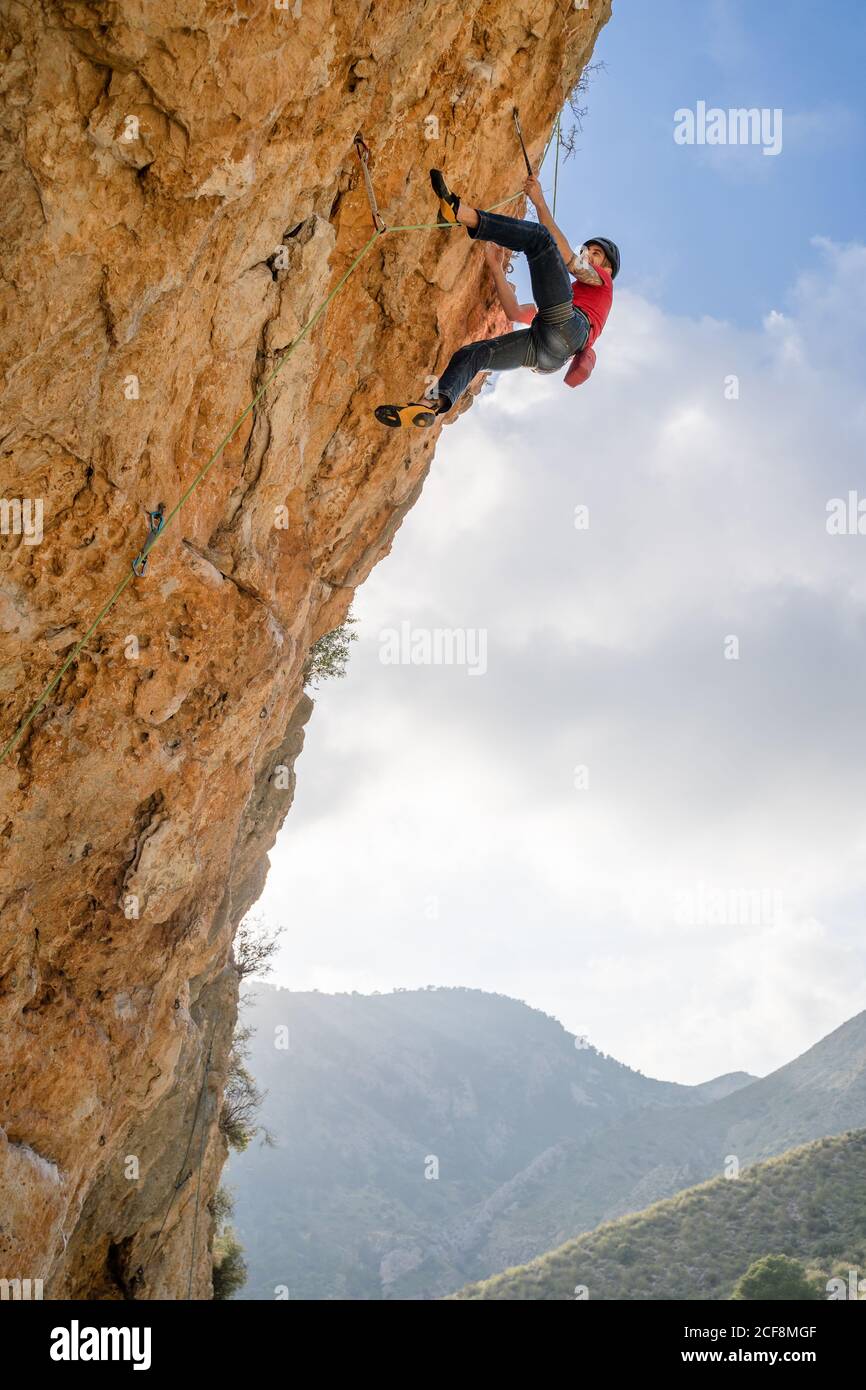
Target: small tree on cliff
(577, 107)
(229, 1265)
(255, 946)
(242, 1098)
(229, 1271)
(329, 657)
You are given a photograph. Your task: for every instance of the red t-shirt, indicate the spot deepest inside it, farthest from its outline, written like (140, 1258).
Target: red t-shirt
(594, 301)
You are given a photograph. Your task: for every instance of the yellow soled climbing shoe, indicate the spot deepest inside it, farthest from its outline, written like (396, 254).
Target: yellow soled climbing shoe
(419, 413)
(448, 202)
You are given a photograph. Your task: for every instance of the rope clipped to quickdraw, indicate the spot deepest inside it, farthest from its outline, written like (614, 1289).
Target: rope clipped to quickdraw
(155, 523)
(516, 116)
(363, 152)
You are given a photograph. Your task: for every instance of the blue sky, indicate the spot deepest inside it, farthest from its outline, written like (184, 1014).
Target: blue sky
(724, 232)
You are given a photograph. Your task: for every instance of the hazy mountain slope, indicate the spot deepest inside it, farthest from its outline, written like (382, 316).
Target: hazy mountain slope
(723, 1085)
(370, 1093)
(646, 1157)
(810, 1203)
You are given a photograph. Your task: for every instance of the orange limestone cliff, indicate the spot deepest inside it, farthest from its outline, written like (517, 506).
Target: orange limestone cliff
(180, 193)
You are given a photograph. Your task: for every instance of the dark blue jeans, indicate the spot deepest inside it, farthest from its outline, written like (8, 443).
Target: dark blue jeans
(556, 333)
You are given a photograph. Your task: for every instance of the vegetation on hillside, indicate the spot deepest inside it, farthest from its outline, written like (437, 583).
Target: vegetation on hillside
(778, 1279)
(808, 1205)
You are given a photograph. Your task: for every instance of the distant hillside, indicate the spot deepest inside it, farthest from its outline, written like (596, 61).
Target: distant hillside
(635, 1162)
(810, 1204)
(373, 1093)
(723, 1085)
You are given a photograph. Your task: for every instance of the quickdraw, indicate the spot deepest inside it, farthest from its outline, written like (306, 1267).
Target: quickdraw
(520, 138)
(155, 522)
(363, 152)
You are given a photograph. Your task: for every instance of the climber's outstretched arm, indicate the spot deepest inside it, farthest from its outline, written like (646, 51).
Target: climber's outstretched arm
(577, 267)
(532, 189)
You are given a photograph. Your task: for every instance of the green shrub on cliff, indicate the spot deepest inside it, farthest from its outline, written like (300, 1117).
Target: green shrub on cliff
(242, 1099)
(229, 1267)
(329, 656)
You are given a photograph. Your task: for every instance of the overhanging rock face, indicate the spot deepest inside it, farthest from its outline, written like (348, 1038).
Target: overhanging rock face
(179, 194)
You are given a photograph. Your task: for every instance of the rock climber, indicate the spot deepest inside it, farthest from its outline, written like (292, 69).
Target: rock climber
(573, 294)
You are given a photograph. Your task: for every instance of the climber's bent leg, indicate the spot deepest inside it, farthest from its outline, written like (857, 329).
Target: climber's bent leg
(551, 282)
(469, 217)
(500, 354)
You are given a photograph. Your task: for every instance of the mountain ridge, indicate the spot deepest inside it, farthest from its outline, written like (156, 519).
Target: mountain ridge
(519, 1120)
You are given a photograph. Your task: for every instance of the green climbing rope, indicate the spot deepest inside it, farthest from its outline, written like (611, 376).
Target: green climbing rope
(281, 361)
(556, 165)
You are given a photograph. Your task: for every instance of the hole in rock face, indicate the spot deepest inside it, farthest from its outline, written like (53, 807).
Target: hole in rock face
(116, 1264)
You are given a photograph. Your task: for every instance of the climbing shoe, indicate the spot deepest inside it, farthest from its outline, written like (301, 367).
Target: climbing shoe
(448, 202)
(420, 413)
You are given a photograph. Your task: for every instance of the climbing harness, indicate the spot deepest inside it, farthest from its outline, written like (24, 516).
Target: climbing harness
(363, 152)
(156, 535)
(155, 522)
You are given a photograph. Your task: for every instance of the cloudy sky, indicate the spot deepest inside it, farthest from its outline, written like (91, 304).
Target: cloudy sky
(639, 805)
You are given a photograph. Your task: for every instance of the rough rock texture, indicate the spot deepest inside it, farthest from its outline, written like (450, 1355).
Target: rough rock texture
(157, 154)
